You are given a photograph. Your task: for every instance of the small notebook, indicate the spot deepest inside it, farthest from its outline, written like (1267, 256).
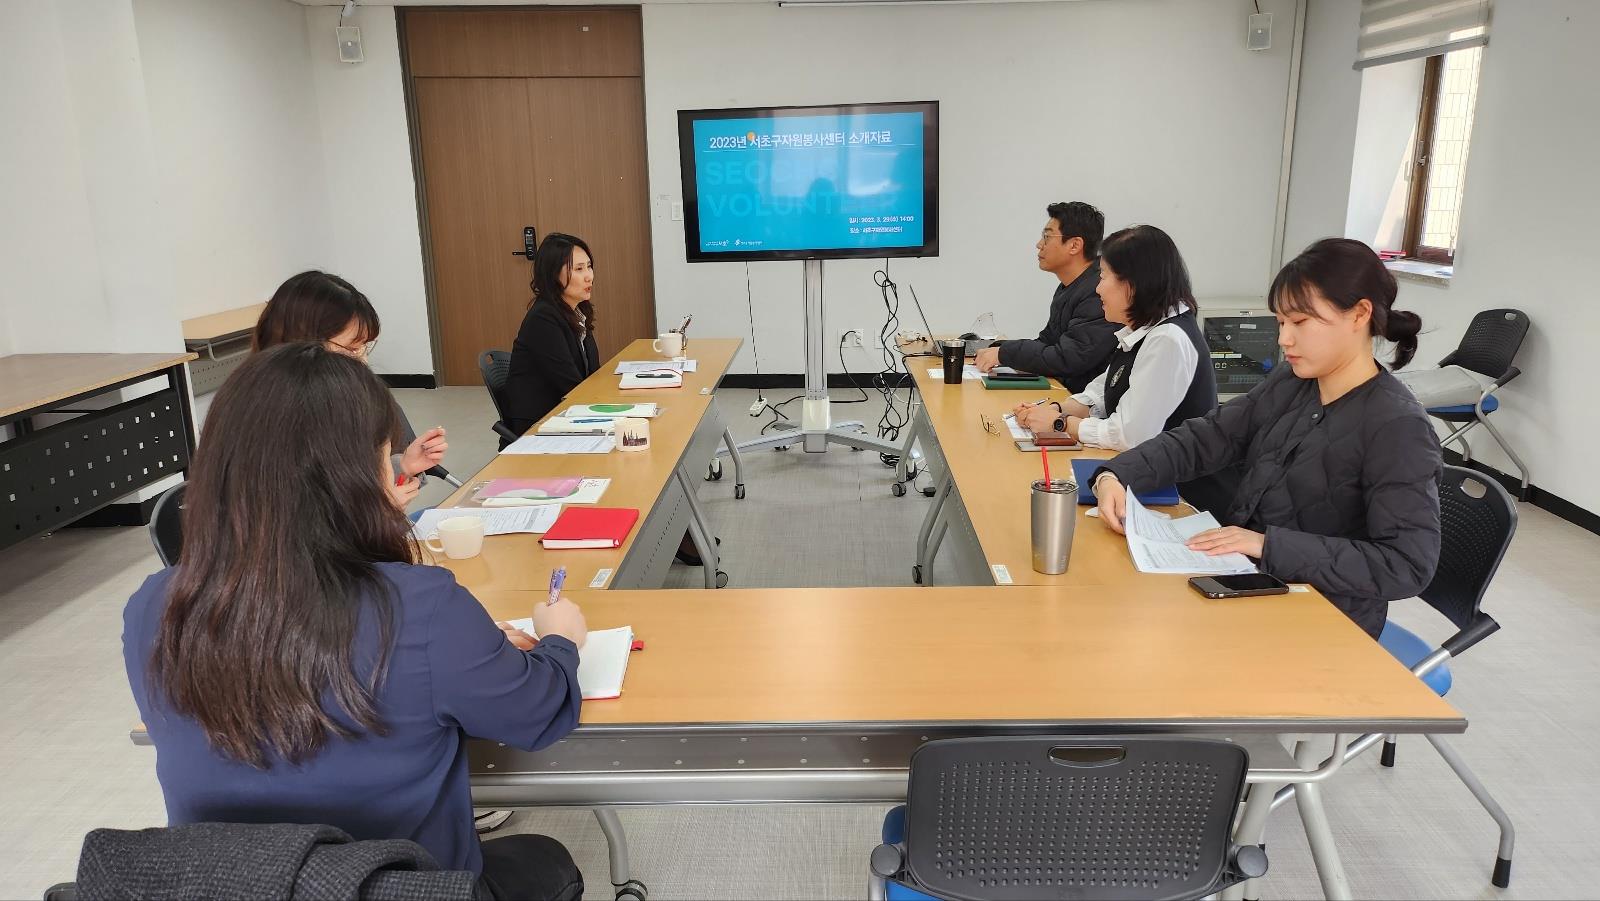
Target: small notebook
(1034, 384)
(591, 527)
(654, 378)
(602, 662)
(535, 492)
(1083, 472)
(612, 411)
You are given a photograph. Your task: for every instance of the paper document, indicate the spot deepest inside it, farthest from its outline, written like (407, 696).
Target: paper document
(602, 661)
(626, 366)
(506, 521)
(1017, 432)
(1157, 544)
(588, 491)
(969, 373)
(562, 444)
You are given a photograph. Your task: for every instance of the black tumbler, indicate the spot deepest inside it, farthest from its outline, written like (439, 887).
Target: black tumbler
(955, 359)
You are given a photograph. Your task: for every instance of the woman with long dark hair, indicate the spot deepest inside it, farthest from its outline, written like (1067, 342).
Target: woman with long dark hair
(316, 306)
(298, 666)
(1340, 484)
(555, 347)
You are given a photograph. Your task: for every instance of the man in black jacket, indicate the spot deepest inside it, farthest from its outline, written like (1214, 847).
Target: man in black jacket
(1077, 341)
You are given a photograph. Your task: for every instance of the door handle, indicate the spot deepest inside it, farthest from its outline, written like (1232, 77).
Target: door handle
(529, 244)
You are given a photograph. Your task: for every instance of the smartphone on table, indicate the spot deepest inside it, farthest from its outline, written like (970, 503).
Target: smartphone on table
(1242, 585)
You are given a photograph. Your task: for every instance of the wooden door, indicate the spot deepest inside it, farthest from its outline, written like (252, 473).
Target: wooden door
(528, 117)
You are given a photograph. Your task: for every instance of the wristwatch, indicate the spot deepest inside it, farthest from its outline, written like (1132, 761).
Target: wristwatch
(1061, 423)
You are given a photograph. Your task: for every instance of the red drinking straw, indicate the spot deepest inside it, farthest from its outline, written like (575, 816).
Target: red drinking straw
(1044, 456)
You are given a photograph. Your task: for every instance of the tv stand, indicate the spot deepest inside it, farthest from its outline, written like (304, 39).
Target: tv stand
(817, 430)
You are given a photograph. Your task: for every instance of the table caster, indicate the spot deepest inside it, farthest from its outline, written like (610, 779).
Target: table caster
(916, 573)
(738, 492)
(633, 889)
(722, 579)
(714, 471)
(898, 489)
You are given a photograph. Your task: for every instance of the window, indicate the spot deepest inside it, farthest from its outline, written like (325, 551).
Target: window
(1438, 177)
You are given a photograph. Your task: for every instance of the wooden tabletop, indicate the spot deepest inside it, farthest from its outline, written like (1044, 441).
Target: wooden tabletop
(218, 326)
(30, 381)
(1039, 655)
(637, 479)
(995, 479)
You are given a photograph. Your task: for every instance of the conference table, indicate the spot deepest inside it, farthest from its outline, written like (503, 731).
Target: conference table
(51, 475)
(752, 695)
(658, 482)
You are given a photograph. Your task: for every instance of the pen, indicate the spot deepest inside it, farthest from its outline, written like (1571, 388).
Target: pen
(558, 578)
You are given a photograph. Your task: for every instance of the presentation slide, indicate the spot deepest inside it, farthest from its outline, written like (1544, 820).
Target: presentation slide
(810, 182)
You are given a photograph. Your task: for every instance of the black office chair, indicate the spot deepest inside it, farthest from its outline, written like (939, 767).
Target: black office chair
(1478, 519)
(166, 524)
(1060, 818)
(495, 367)
(1488, 348)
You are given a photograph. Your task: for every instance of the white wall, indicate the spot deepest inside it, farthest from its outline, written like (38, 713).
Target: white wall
(1528, 231)
(373, 236)
(1324, 145)
(1150, 109)
(232, 106)
(1380, 177)
(83, 240)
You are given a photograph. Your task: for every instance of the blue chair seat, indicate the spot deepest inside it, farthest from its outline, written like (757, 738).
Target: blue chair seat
(1490, 404)
(894, 832)
(1410, 650)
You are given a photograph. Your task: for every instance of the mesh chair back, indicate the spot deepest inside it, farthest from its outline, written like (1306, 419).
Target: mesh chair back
(495, 366)
(1492, 341)
(1045, 817)
(1477, 519)
(166, 524)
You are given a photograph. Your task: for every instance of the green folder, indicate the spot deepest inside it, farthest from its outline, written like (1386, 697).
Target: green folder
(1016, 384)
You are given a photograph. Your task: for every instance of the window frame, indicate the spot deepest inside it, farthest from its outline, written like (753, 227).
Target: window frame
(1417, 202)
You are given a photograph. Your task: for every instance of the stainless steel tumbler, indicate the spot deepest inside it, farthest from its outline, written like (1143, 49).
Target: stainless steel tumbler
(1055, 514)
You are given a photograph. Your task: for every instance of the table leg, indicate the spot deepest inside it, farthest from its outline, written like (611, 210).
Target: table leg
(704, 544)
(1324, 851)
(920, 565)
(918, 423)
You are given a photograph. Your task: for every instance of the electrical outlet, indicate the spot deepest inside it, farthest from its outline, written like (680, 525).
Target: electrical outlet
(851, 338)
(758, 406)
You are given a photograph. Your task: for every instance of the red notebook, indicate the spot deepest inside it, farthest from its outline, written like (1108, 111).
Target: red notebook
(585, 527)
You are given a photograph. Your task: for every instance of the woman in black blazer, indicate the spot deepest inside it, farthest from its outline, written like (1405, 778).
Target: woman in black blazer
(555, 348)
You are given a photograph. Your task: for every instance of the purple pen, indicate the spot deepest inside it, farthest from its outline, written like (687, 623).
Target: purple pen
(558, 578)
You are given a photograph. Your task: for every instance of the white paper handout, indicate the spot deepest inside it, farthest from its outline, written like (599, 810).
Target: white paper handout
(617, 410)
(562, 444)
(602, 663)
(1157, 544)
(626, 366)
(969, 373)
(503, 521)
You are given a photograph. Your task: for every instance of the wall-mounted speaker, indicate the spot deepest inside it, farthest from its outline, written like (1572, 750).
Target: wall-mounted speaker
(349, 43)
(1258, 36)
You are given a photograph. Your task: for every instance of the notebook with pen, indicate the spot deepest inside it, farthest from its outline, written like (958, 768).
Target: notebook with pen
(603, 662)
(1083, 473)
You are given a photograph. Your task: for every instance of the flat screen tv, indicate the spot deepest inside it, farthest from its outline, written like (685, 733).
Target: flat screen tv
(810, 182)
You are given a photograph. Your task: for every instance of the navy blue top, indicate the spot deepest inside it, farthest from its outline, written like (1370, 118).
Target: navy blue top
(452, 673)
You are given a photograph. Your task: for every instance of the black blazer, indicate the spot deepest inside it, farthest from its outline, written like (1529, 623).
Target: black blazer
(547, 362)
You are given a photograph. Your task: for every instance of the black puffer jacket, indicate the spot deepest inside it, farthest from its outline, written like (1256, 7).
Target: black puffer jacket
(1347, 494)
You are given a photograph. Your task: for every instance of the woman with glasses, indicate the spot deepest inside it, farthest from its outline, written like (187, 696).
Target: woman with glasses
(316, 306)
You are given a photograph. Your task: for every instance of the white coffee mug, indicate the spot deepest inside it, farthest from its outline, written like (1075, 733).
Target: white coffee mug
(633, 434)
(669, 343)
(459, 537)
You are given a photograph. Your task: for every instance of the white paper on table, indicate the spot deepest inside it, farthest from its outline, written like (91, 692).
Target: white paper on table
(589, 492)
(969, 373)
(626, 366)
(562, 444)
(590, 411)
(1017, 432)
(1157, 544)
(602, 663)
(499, 521)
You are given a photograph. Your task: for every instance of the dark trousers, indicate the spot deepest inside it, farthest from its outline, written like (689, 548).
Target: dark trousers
(529, 868)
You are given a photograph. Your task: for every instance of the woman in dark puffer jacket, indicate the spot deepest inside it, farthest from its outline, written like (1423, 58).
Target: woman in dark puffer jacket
(1341, 466)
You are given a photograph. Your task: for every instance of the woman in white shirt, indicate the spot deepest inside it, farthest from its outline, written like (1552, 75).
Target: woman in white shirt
(1160, 372)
